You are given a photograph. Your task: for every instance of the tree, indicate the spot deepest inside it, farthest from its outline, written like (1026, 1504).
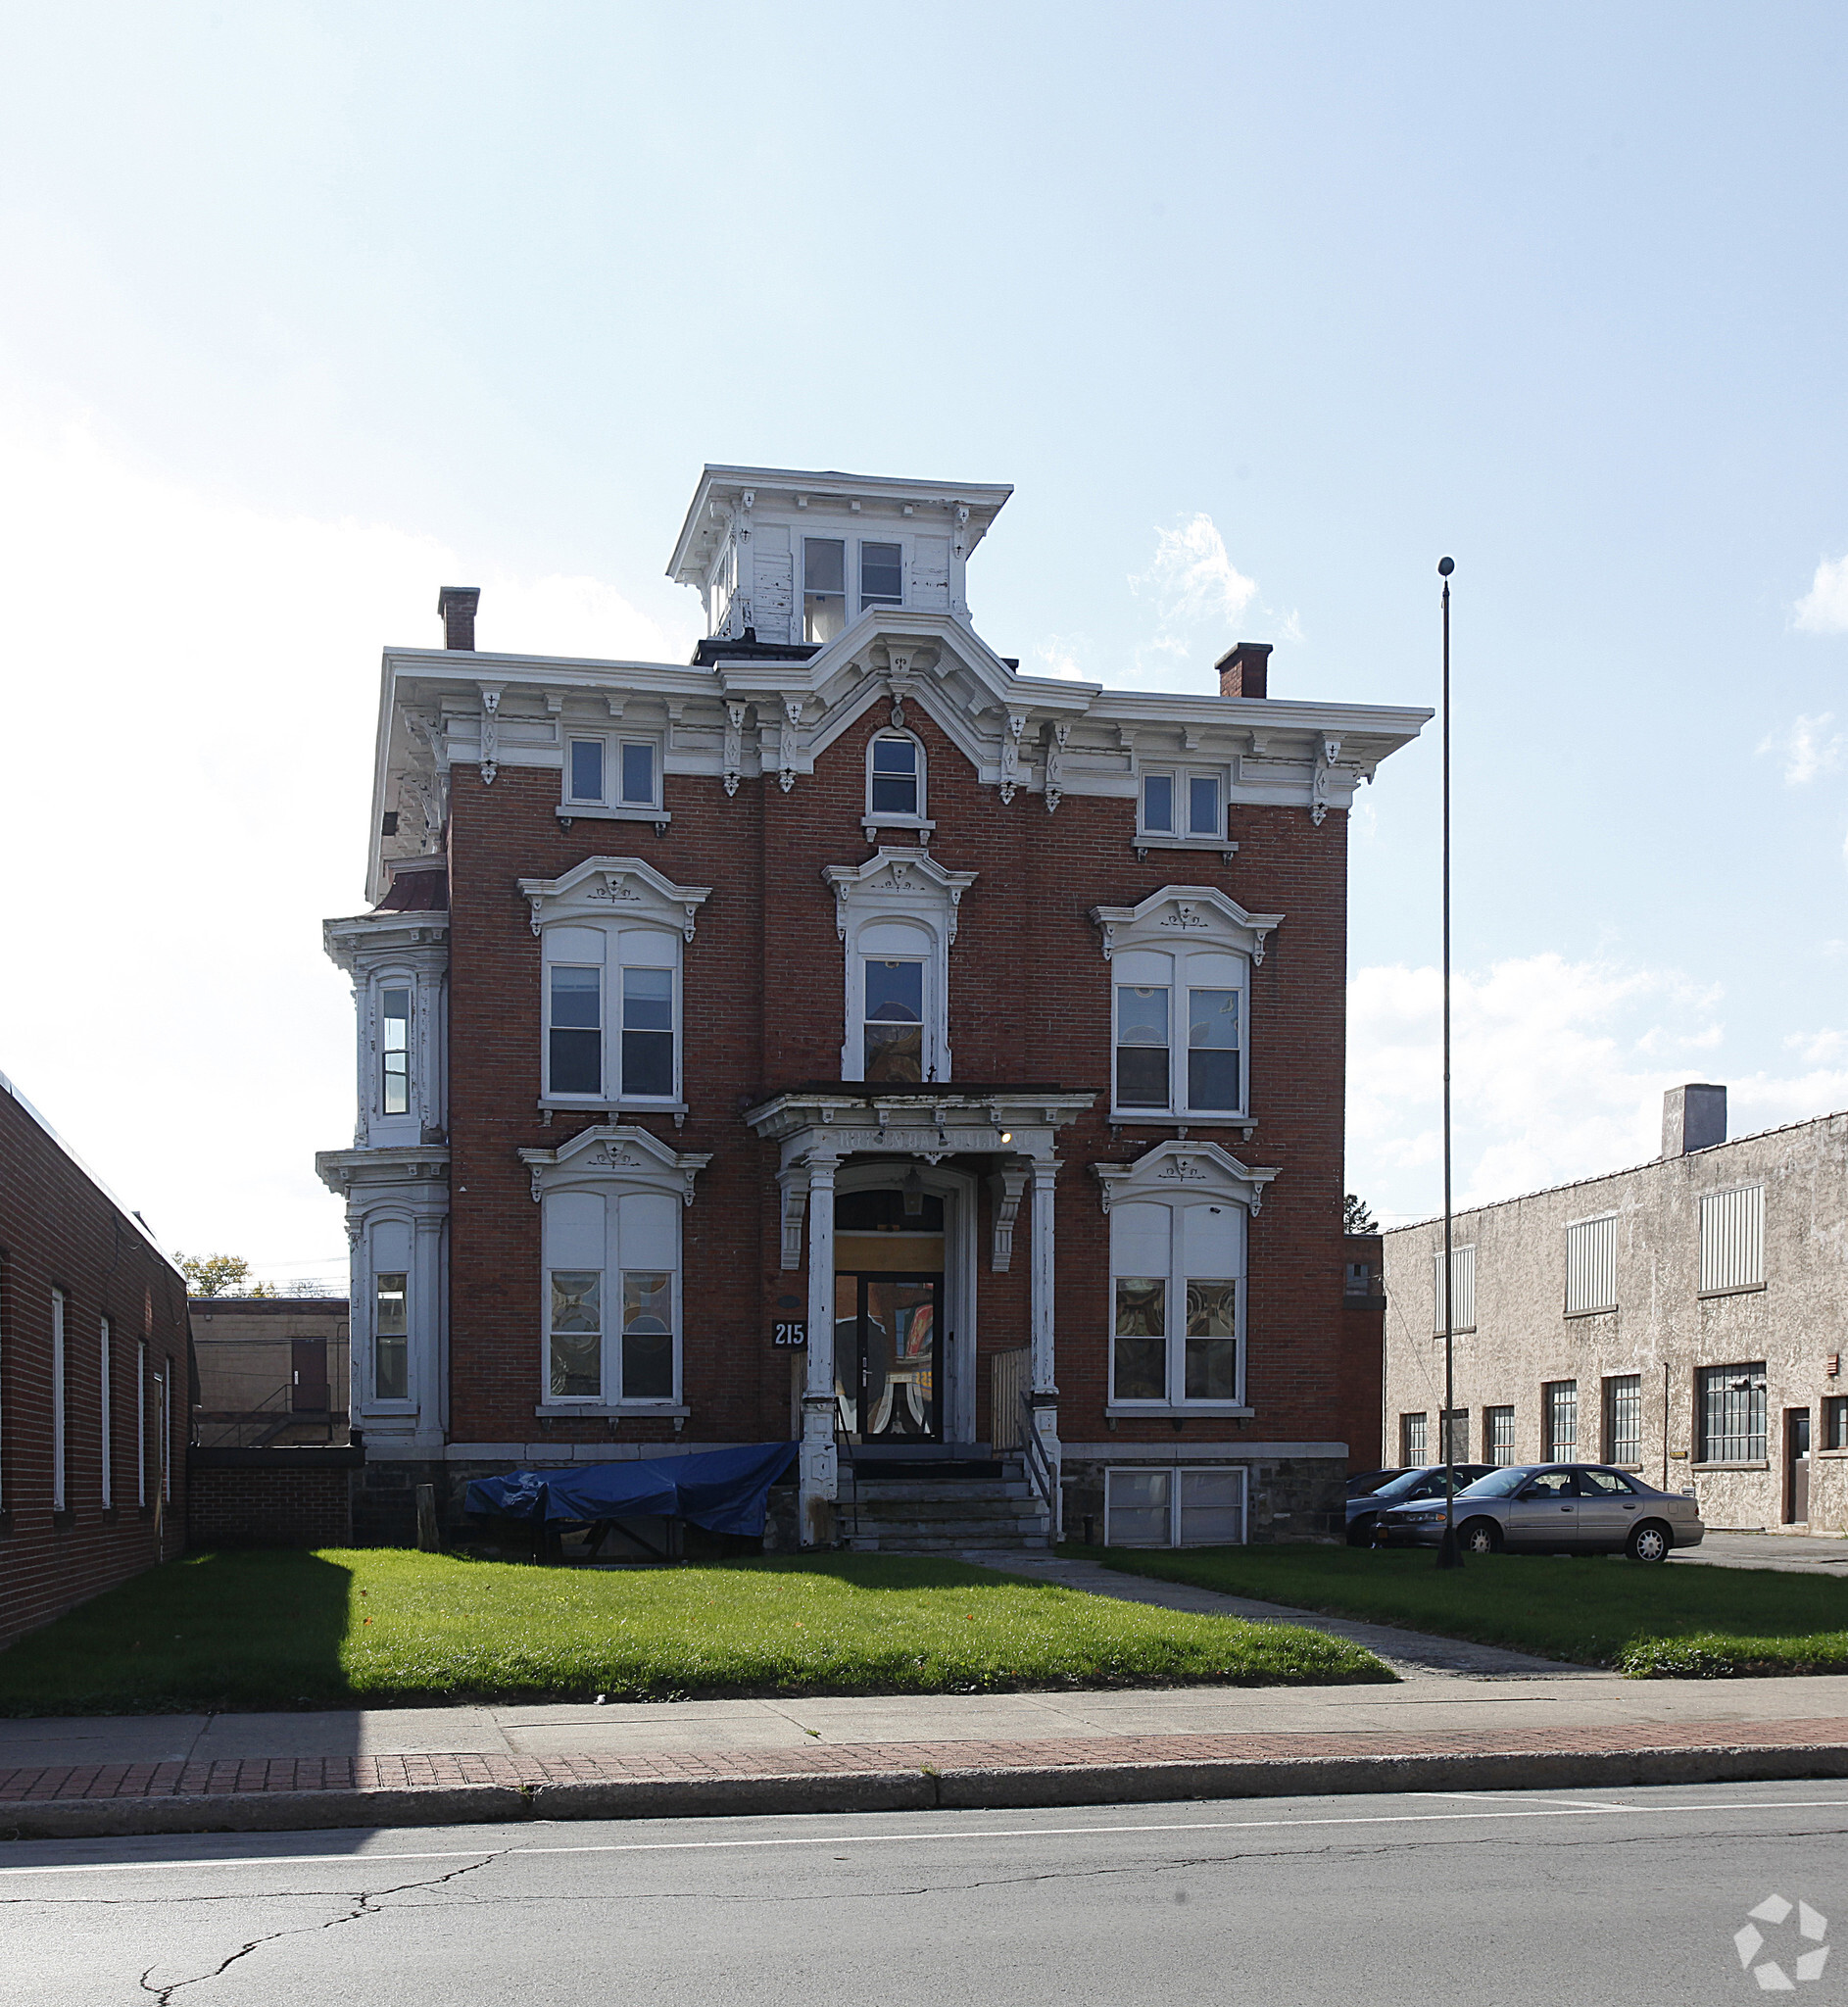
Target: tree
(1357, 1217)
(221, 1275)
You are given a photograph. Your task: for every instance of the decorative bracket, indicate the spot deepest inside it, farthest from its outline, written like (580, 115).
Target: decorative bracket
(1055, 766)
(1007, 1188)
(490, 734)
(795, 1184)
(734, 745)
(1320, 791)
(1016, 721)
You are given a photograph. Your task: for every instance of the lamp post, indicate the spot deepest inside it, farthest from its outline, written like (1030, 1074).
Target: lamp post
(1449, 1554)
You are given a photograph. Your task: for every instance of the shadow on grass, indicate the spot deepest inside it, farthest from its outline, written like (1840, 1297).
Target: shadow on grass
(248, 1630)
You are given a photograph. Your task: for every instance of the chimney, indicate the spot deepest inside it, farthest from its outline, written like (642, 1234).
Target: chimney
(1693, 1118)
(456, 605)
(1242, 669)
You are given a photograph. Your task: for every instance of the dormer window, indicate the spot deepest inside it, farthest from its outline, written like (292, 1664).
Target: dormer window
(824, 588)
(881, 575)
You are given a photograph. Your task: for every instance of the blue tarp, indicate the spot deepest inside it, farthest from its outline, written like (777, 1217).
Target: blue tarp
(724, 1490)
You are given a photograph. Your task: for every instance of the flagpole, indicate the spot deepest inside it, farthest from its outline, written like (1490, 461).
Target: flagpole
(1449, 1555)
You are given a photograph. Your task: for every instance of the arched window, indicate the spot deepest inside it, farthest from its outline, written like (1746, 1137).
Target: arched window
(896, 781)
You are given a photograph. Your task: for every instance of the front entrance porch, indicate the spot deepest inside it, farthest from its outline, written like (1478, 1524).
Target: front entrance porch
(891, 1303)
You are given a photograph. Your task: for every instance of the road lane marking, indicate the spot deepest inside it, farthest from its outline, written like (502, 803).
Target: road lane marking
(1553, 1810)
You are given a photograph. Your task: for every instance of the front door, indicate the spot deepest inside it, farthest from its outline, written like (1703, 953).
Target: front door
(1797, 1466)
(888, 1356)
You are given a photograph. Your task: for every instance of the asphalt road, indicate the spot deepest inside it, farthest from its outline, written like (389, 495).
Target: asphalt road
(1579, 1899)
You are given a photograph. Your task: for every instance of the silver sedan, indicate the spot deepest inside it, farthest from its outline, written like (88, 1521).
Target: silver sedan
(1551, 1508)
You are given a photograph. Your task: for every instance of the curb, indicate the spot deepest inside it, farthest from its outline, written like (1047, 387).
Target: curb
(1018, 1788)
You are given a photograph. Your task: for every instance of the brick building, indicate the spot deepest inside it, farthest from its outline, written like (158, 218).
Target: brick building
(93, 1382)
(844, 1037)
(270, 1369)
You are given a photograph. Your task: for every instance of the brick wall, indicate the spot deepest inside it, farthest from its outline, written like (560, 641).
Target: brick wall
(271, 1497)
(1029, 1001)
(58, 1230)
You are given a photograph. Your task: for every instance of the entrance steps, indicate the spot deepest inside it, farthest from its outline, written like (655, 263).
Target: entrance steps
(882, 1511)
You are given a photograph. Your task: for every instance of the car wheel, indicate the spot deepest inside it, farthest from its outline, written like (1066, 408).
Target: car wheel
(1480, 1537)
(1650, 1542)
(1360, 1533)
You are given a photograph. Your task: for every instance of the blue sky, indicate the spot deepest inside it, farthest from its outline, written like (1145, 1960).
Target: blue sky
(311, 309)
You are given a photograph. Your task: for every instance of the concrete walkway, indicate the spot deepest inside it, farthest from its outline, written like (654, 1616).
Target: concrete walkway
(1792, 1553)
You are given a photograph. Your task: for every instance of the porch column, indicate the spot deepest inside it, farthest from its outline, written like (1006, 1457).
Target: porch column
(1045, 1395)
(818, 1466)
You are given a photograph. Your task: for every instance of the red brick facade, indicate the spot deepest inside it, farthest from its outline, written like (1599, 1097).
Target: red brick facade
(61, 1234)
(1028, 1001)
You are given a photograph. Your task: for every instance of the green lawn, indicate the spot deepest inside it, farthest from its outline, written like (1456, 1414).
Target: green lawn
(1649, 1621)
(385, 1627)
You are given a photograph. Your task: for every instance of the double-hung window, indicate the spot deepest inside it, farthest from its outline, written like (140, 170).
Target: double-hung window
(1559, 1408)
(391, 1335)
(1622, 1418)
(1180, 1042)
(1498, 1436)
(612, 1016)
(1177, 1305)
(894, 1023)
(613, 1298)
(895, 779)
(394, 1049)
(881, 575)
(1180, 804)
(603, 772)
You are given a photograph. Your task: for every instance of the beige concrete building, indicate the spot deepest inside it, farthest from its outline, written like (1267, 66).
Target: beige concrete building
(270, 1370)
(1683, 1319)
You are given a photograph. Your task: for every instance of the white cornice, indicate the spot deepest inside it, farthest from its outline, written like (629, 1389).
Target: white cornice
(370, 935)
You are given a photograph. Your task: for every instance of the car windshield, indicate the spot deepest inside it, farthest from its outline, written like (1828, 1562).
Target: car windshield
(1401, 1485)
(1499, 1484)
(1375, 1481)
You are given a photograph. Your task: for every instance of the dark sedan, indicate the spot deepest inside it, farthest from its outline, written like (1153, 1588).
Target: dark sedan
(1407, 1487)
(1550, 1508)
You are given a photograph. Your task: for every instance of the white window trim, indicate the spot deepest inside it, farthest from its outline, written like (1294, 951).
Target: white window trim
(1173, 1472)
(60, 1418)
(912, 888)
(141, 1425)
(1181, 772)
(603, 1159)
(1191, 1173)
(1171, 922)
(106, 1415)
(367, 1316)
(853, 607)
(600, 892)
(606, 809)
(874, 819)
(1462, 1265)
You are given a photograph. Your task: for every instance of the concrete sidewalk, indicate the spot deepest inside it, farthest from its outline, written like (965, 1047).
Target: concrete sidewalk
(1461, 1717)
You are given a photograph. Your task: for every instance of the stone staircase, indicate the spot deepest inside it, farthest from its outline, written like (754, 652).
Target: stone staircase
(899, 1508)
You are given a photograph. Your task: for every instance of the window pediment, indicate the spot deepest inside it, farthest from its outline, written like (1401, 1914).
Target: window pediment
(1200, 914)
(626, 886)
(616, 1153)
(898, 885)
(1198, 1170)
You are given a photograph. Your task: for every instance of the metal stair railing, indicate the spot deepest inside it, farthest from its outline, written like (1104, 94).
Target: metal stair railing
(1039, 1472)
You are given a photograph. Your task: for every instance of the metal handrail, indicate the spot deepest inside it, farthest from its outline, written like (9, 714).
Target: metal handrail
(1039, 1474)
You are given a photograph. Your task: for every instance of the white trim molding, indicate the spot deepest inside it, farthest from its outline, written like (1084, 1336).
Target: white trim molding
(626, 886)
(1197, 914)
(612, 1149)
(1201, 1169)
(898, 905)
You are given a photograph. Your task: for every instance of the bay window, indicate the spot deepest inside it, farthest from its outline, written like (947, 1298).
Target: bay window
(391, 1335)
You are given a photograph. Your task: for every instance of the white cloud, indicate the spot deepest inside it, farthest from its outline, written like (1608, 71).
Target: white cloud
(1058, 654)
(1559, 1069)
(1808, 748)
(1824, 609)
(1193, 580)
(192, 686)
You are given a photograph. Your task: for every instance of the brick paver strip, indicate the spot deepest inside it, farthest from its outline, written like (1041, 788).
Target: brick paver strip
(91, 1782)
